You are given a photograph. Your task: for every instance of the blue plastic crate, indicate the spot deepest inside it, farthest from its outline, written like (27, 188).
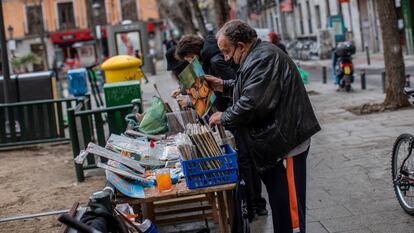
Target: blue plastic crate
(77, 82)
(198, 176)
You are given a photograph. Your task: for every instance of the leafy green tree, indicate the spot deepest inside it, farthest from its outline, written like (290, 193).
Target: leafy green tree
(20, 64)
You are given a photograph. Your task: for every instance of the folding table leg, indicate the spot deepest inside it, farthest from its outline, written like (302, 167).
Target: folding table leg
(230, 205)
(214, 209)
(224, 227)
(148, 211)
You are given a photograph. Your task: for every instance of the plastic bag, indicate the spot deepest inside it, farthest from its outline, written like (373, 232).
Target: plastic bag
(304, 75)
(170, 153)
(154, 121)
(185, 146)
(130, 147)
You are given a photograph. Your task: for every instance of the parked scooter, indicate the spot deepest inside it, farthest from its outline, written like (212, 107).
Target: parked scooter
(343, 68)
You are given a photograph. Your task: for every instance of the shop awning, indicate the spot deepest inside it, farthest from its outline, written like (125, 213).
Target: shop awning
(65, 37)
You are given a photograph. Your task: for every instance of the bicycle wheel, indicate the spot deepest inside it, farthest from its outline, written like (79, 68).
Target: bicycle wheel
(403, 188)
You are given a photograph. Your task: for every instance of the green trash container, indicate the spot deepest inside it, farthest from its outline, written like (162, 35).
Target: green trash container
(121, 93)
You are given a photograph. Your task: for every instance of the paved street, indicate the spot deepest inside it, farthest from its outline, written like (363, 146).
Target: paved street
(372, 71)
(373, 76)
(360, 61)
(349, 180)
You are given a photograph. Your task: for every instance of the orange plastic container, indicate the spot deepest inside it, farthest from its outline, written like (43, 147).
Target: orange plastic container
(163, 178)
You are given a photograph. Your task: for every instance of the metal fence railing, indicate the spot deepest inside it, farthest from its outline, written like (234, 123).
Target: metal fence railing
(33, 122)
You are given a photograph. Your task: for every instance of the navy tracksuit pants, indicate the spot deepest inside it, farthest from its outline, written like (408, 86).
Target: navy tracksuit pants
(286, 187)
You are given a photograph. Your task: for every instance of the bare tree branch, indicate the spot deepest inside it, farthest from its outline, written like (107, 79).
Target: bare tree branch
(199, 17)
(221, 10)
(183, 15)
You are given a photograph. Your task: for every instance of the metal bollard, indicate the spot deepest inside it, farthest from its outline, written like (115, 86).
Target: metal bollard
(153, 66)
(383, 78)
(324, 77)
(407, 80)
(368, 59)
(363, 80)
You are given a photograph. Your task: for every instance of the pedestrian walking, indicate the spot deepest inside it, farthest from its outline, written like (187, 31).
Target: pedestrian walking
(169, 43)
(137, 54)
(272, 111)
(274, 38)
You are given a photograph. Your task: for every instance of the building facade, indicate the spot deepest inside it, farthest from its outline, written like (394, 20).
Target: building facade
(51, 27)
(405, 9)
(310, 19)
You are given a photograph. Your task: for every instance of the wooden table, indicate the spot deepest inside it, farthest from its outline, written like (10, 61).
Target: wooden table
(219, 205)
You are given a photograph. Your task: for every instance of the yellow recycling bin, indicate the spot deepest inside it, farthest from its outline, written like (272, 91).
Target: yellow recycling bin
(122, 68)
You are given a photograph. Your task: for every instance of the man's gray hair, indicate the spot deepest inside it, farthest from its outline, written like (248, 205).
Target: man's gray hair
(237, 31)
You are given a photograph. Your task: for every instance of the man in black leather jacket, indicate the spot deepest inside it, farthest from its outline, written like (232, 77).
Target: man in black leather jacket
(214, 64)
(272, 112)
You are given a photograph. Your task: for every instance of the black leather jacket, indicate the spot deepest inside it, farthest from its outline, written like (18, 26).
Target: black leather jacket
(271, 102)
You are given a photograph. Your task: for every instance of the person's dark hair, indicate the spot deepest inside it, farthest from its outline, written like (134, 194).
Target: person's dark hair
(237, 31)
(189, 44)
(172, 62)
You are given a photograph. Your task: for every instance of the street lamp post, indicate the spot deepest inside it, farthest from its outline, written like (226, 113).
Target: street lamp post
(97, 30)
(4, 57)
(11, 43)
(10, 30)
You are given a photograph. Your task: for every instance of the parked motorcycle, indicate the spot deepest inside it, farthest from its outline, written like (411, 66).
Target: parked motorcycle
(343, 66)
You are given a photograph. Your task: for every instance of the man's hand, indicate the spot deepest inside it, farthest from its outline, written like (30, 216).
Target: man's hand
(215, 119)
(175, 93)
(215, 83)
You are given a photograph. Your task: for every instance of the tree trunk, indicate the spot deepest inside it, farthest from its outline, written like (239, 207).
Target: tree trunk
(393, 57)
(221, 9)
(187, 17)
(181, 16)
(199, 17)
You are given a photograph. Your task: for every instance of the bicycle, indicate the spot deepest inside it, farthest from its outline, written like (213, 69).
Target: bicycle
(402, 167)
